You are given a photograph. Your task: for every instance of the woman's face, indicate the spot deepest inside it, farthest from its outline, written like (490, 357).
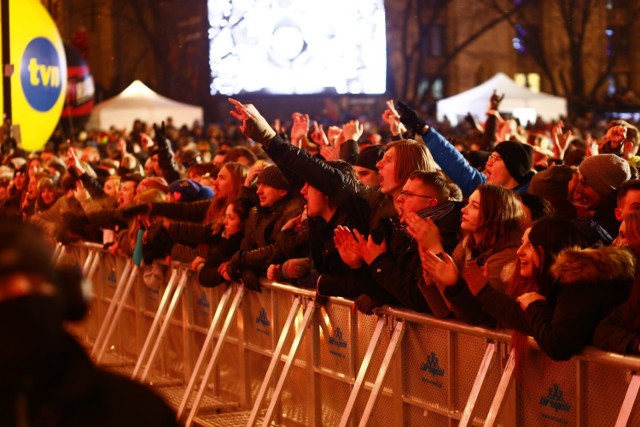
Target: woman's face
(223, 185)
(48, 195)
(111, 187)
(471, 213)
(232, 222)
(529, 259)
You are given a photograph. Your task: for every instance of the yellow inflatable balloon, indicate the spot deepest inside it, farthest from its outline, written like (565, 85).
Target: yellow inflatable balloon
(39, 80)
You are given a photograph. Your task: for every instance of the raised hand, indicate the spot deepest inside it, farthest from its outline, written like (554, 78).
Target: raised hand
(73, 162)
(443, 271)
(424, 231)
(299, 129)
(560, 140)
(392, 118)
(329, 152)
(352, 130)
(334, 134)
(161, 140)
(368, 249)
(347, 246)
(616, 134)
(254, 126)
(254, 171)
(495, 100)
(475, 276)
(318, 136)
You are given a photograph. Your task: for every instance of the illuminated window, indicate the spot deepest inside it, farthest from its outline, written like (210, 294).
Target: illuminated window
(528, 80)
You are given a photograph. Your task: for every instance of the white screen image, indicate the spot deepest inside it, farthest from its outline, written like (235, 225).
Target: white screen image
(288, 47)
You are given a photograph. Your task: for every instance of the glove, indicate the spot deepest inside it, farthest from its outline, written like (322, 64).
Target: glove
(251, 281)
(131, 211)
(410, 118)
(161, 140)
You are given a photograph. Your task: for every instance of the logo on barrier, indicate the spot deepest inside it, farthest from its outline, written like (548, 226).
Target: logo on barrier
(111, 278)
(338, 342)
(203, 304)
(263, 320)
(41, 74)
(555, 400)
(432, 365)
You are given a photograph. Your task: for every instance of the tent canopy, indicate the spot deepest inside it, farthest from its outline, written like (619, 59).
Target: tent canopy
(139, 102)
(521, 102)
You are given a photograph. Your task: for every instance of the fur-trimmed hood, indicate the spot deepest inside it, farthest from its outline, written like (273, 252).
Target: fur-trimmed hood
(593, 266)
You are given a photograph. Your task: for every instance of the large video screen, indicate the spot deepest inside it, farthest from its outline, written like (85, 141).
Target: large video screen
(291, 47)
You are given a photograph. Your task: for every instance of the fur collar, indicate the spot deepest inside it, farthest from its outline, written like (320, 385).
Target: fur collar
(594, 265)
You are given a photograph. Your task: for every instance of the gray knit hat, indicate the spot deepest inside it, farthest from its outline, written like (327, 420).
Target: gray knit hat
(605, 173)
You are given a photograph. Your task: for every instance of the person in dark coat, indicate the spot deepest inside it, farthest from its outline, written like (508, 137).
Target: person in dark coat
(46, 378)
(620, 330)
(260, 246)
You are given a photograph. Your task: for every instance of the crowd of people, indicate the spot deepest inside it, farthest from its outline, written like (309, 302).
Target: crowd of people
(531, 228)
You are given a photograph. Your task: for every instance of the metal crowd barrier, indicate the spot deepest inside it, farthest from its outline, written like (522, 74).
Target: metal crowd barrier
(226, 356)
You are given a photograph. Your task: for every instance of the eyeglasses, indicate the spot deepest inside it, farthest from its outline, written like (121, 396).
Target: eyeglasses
(494, 158)
(410, 194)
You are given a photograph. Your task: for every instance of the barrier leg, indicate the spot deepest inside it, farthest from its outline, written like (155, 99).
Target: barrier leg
(205, 349)
(116, 316)
(396, 339)
(357, 385)
(302, 329)
(503, 387)
(629, 401)
(216, 351)
(477, 385)
(274, 361)
(165, 324)
(156, 320)
(115, 301)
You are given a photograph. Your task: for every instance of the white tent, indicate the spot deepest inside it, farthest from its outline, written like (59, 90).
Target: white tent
(521, 102)
(139, 102)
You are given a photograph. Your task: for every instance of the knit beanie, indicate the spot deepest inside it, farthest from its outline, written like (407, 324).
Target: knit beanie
(273, 177)
(190, 191)
(552, 182)
(517, 157)
(370, 156)
(605, 173)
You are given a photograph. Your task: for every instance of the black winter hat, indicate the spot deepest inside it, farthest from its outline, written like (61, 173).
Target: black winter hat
(517, 157)
(273, 177)
(370, 156)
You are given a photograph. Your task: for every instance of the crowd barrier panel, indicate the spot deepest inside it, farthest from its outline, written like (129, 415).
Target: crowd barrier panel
(421, 370)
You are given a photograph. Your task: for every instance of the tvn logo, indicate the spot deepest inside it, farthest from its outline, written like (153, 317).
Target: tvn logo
(42, 74)
(337, 340)
(432, 366)
(555, 399)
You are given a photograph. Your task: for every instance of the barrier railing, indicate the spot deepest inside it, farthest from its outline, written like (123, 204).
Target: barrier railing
(329, 365)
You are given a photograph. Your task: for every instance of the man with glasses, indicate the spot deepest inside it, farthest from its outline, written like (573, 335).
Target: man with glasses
(393, 265)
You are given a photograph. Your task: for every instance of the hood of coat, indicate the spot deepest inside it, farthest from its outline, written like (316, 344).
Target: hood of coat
(606, 264)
